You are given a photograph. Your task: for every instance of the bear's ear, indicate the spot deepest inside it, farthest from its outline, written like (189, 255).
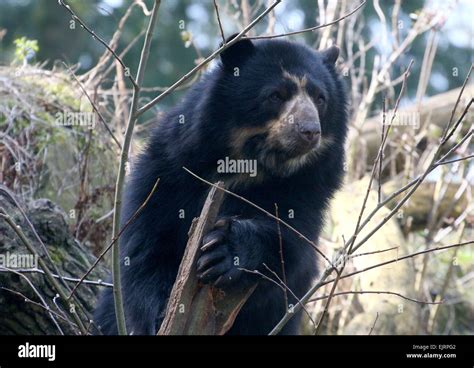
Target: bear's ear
(331, 54)
(236, 54)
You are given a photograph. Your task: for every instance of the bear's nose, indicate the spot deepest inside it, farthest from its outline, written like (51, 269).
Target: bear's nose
(309, 132)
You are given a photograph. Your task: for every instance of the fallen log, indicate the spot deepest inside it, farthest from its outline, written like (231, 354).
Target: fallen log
(434, 112)
(28, 301)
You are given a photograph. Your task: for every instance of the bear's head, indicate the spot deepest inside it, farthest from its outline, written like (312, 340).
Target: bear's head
(280, 104)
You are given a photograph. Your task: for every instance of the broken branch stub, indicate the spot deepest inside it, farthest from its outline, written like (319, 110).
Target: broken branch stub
(194, 308)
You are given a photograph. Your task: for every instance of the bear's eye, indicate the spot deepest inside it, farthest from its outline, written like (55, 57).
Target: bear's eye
(276, 97)
(321, 101)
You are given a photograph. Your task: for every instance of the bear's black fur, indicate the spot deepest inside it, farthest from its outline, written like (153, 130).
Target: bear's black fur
(276, 102)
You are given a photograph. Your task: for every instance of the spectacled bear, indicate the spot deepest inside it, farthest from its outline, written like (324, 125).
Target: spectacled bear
(276, 104)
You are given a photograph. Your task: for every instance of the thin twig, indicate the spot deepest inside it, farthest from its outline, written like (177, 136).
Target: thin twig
(101, 117)
(219, 21)
(379, 184)
(372, 252)
(66, 278)
(95, 36)
(446, 136)
(374, 292)
(375, 322)
(282, 259)
(328, 303)
(468, 157)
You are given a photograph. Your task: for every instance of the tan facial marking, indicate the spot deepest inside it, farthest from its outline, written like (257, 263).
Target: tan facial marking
(301, 100)
(300, 82)
(242, 135)
(299, 105)
(296, 163)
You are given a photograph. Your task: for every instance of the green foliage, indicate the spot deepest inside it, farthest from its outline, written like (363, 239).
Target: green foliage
(25, 50)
